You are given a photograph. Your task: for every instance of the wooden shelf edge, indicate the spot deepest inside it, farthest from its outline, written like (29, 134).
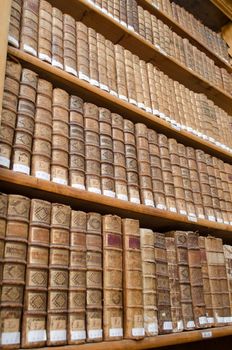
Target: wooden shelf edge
(96, 95)
(224, 6)
(184, 32)
(13, 182)
(151, 342)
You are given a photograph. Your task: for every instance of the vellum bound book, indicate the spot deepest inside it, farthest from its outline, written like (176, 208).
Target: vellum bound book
(228, 260)
(132, 281)
(112, 277)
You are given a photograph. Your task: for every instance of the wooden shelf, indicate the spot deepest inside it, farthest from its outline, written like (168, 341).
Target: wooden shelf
(149, 217)
(95, 95)
(183, 32)
(116, 32)
(152, 342)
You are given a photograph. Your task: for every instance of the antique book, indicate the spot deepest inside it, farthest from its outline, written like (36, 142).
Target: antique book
(29, 27)
(93, 57)
(94, 278)
(112, 277)
(82, 49)
(181, 244)
(15, 23)
(14, 265)
(106, 151)
(101, 59)
(135, 16)
(57, 38)
(70, 55)
(149, 282)
(77, 278)
(130, 77)
(23, 138)
(129, 13)
(120, 72)
(162, 287)
(145, 86)
(148, 26)
(228, 260)
(45, 31)
(111, 67)
(3, 222)
(57, 320)
(141, 21)
(34, 321)
(9, 111)
(122, 11)
(76, 143)
(42, 142)
(138, 86)
(176, 312)
(132, 281)
(196, 280)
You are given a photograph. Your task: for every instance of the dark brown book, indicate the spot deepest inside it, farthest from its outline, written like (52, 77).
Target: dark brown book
(15, 23)
(132, 281)
(29, 27)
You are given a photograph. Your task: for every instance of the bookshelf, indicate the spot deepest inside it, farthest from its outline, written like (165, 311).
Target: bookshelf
(149, 217)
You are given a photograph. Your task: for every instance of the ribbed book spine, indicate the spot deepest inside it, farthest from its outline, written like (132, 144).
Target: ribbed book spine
(228, 260)
(82, 48)
(70, 61)
(45, 31)
(101, 57)
(57, 321)
(112, 277)
(35, 296)
(57, 38)
(15, 23)
(130, 77)
(94, 278)
(149, 282)
(14, 266)
(132, 281)
(93, 57)
(120, 72)
(111, 67)
(29, 27)
(77, 279)
(3, 222)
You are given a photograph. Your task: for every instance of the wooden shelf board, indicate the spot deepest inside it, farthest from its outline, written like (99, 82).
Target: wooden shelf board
(115, 31)
(13, 182)
(184, 33)
(150, 342)
(95, 95)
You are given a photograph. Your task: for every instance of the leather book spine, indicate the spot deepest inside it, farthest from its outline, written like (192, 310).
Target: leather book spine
(122, 11)
(45, 31)
(3, 222)
(227, 195)
(23, 138)
(58, 285)
(13, 276)
(138, 86)
(131, 162)
(149, 282)
(135, 16)
(228, 261)
(60, 137)
(162, 288)
(145, 85)
(94, 278)
(82, 47)
(110, 7)
(120, 174)
(141, 21)
(176, 312)
(57, 38)
(132, 281)
(111, 68)
(116, 13)
(221, 194)
(34, 321)
(129, 14)
(93, 57)
(77, 278)
(70, 55)
(148, 26)
(15, 23)
(153, 89)
(9, 111)
(42, 143)
(77, 143)
(112, 277)
(130, 77)
(29, 27)
(107, 155)
(144, 165)
(120, 72)
(92, 148)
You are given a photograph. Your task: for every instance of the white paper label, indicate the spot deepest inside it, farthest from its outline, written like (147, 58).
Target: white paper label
(109, 193)
(189, 128)
(116, 332)
(218, 143)
(10, 338)
(70, 70)
(45, 57)
(13, 41)
(192, 218)
(220, 319)
(219, 220)
(155, 111)
(123, 23)
(36, 335)
(94, 82)
(104, 87)
(167, 119)
(94, 190)
(228, 319)
(176, 127)
(130, 27)
(58, 335)
(190, 324)
(104, 10)
(211, 139)
(201, 216)
(84, 76)
(58, 180)
(161, 206)
(226, 222)
(42, 175)
(203, 320)
(156, 6)
(211, 218)
(149, 202)
(135, 200)
(183, 212)
(167, 326)
(160, 49)
(141, 105)
(110, 14)
(117, 19)
(148, 109)
(4, 161)
(21, 168)
(122, 197)
(79, 186)
(206, 334)
(55, 63)
(152, 327)
(173, 209)
(95, 333)
(113, 93)
(137, 332)
(78, 335)
(122, 97)
(29, 49)
(131, 100)
(210, 320)
(180, 325)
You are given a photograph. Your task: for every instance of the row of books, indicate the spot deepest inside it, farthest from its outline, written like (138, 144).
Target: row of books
(52, 135)
(68, 277)
(55, 37)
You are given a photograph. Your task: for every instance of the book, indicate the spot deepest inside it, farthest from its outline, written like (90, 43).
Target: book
(57, 38)
(29, 27)
(93, 57)
(228, 260)
(45, 31)
(120, 72)
(130, 77)
(101, 59)
(15, 23)
(132, 281)
(3, 222)
(70, 56)
(82, 50)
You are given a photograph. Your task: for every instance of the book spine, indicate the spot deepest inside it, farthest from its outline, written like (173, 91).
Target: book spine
(145, 85)
(132, 281)
(70, 55)
(112, 277)
(111, 68)
(130, 77)
(120, 72)
(45, 31)
(228, 261)
(15, 23)
(77, 279)
(35, 296)
(93, 57)
(3, 222)
(94, 278)
(138, 86)
(82, 47)
(29, 27)
(57, 38)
